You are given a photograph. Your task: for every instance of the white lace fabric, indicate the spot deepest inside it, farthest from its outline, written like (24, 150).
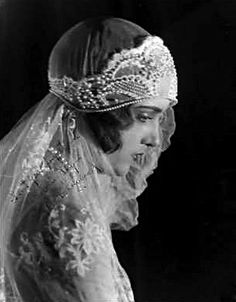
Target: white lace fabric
(131, 76)
(60, 196)
(57, 211)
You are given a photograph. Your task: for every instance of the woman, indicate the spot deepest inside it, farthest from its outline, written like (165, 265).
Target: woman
(74, 165)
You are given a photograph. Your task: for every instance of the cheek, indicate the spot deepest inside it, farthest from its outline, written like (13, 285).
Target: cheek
(133, 136)
(129, 143)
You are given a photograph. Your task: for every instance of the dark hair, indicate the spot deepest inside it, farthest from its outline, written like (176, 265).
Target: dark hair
(106, 127)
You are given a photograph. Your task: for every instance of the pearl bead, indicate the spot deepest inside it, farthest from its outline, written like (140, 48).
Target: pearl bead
(145, 66)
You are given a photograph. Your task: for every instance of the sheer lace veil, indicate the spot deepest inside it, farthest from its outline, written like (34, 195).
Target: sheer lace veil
(54, 126)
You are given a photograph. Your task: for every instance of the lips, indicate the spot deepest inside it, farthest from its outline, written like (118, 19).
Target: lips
(144, 159)
(138, 159)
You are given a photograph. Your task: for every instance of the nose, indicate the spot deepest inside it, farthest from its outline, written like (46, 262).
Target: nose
(153, 137)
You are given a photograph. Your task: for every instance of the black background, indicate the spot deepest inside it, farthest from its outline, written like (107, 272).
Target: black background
(184, 247)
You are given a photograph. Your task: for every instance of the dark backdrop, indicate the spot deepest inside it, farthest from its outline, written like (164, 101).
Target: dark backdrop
(184, 247)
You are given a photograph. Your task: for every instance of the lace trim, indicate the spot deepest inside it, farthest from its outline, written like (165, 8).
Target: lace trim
(131, 75)
(78, 245)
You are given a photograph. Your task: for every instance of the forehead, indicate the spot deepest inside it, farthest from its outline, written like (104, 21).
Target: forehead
(157, 103)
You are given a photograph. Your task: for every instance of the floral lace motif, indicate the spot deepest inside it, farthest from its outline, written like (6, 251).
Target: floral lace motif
(122, 283)
(34, 161)
(135, 74)
(26, 251)
(77, 245)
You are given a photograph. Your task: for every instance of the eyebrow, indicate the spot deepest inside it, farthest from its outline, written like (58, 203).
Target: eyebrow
(154, 108)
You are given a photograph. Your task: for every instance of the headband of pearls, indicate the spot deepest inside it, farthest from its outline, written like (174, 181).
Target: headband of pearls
(130, 76)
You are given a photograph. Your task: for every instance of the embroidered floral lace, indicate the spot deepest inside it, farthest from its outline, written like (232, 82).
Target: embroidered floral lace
(60, 197)
(59, 211)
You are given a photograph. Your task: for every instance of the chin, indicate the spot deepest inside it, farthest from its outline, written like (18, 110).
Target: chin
(121, 171)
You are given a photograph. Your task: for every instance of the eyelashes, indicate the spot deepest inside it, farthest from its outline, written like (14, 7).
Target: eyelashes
(144, 117)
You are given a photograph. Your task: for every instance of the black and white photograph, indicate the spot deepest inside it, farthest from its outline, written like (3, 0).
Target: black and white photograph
(117, 151)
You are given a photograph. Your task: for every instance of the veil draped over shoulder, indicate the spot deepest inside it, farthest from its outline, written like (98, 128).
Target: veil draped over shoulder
(59, 194)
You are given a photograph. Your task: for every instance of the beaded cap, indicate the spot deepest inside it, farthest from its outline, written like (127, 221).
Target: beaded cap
(130, 76)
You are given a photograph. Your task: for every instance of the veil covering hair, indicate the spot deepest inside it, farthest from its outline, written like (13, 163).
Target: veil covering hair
(59, 194)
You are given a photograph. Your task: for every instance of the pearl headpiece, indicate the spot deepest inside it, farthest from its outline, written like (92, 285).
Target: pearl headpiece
(130, 77)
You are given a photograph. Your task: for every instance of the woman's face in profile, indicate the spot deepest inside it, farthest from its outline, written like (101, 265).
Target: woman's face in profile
(142, 135)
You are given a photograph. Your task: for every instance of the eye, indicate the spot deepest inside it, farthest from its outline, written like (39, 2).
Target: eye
(161, 118)
(143, 117)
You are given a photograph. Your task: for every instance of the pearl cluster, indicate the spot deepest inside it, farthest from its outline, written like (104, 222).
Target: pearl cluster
(134, 73)
(69, 167)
